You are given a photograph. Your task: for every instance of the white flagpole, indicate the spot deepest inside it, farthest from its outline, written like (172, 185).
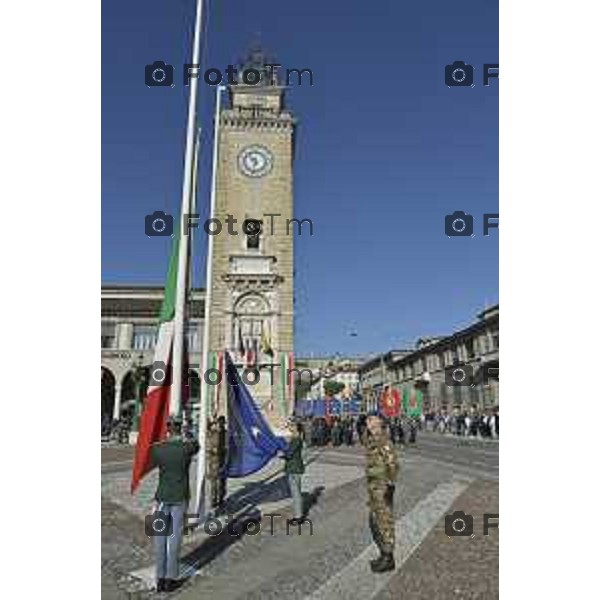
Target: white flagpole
(186, 204)
(204, 395)
(193, 202)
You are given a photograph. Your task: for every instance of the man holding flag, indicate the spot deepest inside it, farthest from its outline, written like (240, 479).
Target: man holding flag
(167, 393)
(173, 458)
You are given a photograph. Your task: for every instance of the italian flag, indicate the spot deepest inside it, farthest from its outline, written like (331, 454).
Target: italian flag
(153, 420)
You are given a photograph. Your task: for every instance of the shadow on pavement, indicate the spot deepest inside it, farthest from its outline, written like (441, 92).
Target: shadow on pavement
(256, 493)
(231, 533)
(310, 499)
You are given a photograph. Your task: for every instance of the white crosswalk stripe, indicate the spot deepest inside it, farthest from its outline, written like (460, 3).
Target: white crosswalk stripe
(356, 580)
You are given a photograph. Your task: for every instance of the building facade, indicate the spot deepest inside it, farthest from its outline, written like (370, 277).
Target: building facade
(252, 283)
(129, 329)
(437, 366)
(349, 379)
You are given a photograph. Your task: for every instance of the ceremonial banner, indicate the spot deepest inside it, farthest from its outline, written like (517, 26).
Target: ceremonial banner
(390, 403)
(318, 408)
(266, 347)
(335, 407)
(251, 443)
(153, 420)
(355, 405)
(412, 403)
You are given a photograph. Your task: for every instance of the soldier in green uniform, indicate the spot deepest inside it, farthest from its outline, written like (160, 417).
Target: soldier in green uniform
(382, 471)
(172, 457)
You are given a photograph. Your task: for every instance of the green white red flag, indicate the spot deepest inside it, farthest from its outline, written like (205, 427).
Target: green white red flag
(155, 412)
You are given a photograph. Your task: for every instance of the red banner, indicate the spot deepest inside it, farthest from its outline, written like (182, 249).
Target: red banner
(389, 403)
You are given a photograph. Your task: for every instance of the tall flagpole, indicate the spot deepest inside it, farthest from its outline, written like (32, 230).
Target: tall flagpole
(204, 395)
(184, 238)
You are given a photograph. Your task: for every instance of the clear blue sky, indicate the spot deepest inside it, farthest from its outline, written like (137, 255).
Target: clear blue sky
(384, 151)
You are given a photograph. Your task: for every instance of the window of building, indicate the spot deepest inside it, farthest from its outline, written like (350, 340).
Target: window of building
(144, 337)
(440, 360)
(496, 340)
(470, 347)
(483, 344)
(252, 239)
(193, 336)
(108, 335)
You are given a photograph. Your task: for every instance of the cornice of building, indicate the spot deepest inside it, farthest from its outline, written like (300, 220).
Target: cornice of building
(433, 344)
(138, 291)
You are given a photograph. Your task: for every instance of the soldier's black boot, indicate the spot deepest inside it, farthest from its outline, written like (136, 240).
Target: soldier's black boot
(376, 561)
(384, 563)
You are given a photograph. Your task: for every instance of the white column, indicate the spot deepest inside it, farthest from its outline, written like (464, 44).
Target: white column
(124, 336)
(117, 404)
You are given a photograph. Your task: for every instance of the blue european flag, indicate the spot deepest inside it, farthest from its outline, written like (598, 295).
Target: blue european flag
(336, 407)
(251, 443)
(355, 405)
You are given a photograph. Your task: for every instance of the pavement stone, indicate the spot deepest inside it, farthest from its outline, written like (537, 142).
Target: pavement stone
(293, 566)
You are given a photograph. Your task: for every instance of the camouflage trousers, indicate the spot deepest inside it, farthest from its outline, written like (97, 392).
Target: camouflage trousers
(381, 517)
(217, 490)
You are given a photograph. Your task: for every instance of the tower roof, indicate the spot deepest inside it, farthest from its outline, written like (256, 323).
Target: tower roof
(257, 59)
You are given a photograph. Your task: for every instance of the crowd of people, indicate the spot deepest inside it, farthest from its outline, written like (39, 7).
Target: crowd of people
(116, 431)
(348, 430)
(338, 431)
(472, 423)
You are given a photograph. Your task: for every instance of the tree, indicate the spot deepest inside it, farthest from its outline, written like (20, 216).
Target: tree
(333, 387)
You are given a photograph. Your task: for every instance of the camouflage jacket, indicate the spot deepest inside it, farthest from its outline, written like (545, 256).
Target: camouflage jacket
(382, 461)
(213, 453)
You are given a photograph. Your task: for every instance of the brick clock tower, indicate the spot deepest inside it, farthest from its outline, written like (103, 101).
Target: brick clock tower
(251, 312)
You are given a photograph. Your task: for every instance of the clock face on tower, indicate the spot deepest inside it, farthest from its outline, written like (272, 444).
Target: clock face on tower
(255, 161)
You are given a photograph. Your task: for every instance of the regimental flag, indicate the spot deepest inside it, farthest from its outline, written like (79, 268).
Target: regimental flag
(336, 407)
(153, 420)
(241, 347)
(390, 403)
(412, 403)
(266, 347)
(318, 408)
(355, 405)
(251, 443)
(250, 354)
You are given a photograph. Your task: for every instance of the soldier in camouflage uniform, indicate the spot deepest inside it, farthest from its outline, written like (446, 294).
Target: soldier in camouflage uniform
(382, 471)
(214, 463)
